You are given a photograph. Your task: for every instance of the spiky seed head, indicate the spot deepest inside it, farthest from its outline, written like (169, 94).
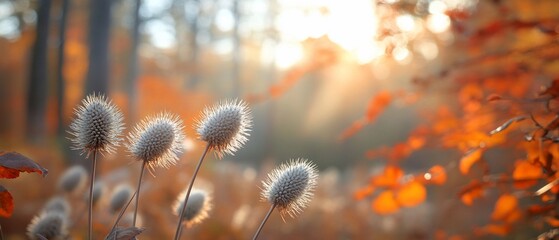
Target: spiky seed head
(157, 140)
(290, 186)
(97, 125)
(120, 196)
(73, 180)
(197, 209)
(225, 126)
(57, 204)
(50, 225)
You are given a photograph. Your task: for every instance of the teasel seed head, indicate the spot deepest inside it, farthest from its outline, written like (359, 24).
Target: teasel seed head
(225, 126)
(50, 225)
(57, 204)
(290, 186)
(97, 125)
(120, 196)
(197, 209)
(157, 140)
(73, 180)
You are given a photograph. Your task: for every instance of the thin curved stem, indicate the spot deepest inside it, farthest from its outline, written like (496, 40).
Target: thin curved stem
(264, 222)
(122, 212)
(138, 193)
(183, 208)
(90, 223)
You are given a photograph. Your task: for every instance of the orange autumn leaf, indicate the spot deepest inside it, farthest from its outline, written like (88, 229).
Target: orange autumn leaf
(524, 170)
(399, 151)
(554, 222)
(352, 130)
(505, 207)
(377, 104)
(411, 194)
(390, 177)
(436, 175)
(472, 191)
(416, 142)
(494, 229)
(469, 159)
(385, 203)
(363, 193)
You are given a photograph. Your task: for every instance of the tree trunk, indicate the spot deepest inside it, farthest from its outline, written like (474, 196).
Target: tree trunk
(60, 68)
(194, 50)
(99, 32)
(132, 76)
(37, 91)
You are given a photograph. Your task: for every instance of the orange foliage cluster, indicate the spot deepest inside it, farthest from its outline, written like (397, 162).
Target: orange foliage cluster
(498, 106)
(474, 130)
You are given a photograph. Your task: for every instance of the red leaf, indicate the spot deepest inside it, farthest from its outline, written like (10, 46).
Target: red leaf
(6, 203)
(12, 163)
(552, 90)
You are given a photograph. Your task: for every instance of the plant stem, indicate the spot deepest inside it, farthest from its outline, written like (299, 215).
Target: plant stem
(122, 213)
(264, 222)
(183, 208)
(1, 233)
(138, 193)
(90, 223)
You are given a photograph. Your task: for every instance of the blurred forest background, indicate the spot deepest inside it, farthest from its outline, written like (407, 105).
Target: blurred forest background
(398, 102)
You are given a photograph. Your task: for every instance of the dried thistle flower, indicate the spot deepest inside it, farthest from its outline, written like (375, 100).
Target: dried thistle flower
(73, 180)
(290, 186)
(225, 126)
(157, 140)
(50, 225)
(97, 125)
(57, 204)
(197, 209)
(120, 197)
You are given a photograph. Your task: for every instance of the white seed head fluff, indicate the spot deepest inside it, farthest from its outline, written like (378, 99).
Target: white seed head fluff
(51, 225)
(225, 126)
(97, 125)
(73, 180)
(120, 196)
(157, 140)
(197, 209)
(57, 204)
(290, 186)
